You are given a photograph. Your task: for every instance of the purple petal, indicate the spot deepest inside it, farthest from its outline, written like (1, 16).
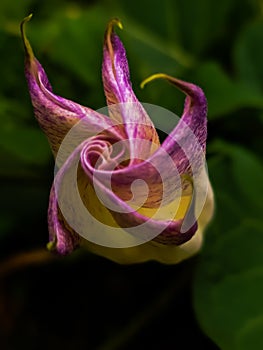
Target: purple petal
(62, 238)
(175, 165)
(169, 231)
(183, 153)
(118, 90)
(56, 115)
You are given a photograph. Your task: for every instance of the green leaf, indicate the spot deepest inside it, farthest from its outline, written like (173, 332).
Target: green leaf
(248, 54)
(247, 172)
(28, 144)
(228, 283)
(157, 32)
(228, 286)
(10, 14)
(190, 26)
(19, 140)
(224, 95)
(250, 336)
(72, 37)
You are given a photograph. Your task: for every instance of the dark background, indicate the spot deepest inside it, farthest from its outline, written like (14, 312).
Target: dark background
(87, 302)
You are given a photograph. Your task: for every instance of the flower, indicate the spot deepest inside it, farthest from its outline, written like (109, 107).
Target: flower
(113, 158)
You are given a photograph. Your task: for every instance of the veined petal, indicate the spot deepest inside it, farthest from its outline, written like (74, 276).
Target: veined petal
(166, 254)
(62, 237)
(169, 253)
(195, 110)
(122, 102)
(169, 230)
(182, 153)
(56, 115)
(96, 181)
(152, 250)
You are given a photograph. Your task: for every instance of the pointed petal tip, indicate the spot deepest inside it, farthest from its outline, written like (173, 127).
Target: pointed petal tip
(109, 39)
(110, 27)
(51, 246)
(27, 46)
(27, 18)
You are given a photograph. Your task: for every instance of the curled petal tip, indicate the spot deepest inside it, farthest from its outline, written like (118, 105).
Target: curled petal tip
(114, 22)
(108, 38)
(27, 46)
(118, 23)
(27, 18)
(110, 27)
(191, 90)
(153, 77)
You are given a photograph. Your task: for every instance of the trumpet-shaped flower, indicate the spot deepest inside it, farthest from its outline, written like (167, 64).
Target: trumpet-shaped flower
(117, 190)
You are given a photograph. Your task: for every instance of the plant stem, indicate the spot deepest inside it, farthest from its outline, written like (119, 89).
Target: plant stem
(24, 259)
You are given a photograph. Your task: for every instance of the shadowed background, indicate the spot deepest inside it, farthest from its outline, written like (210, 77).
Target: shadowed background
(83, 301)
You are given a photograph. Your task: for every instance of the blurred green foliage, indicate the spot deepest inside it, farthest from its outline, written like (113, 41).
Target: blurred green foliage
(218, 46)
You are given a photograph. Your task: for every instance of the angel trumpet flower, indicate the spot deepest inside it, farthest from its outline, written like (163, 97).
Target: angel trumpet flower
(128, 198)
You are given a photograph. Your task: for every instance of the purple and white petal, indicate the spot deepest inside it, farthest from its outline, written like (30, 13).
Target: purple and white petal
(123, 104)
(116, 168)
(57, 115)
(62, 238)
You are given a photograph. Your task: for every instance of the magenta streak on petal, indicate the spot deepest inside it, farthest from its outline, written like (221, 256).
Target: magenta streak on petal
(185, 146)
(169, 230)
(57, 115)
(194, 115)
(118, 90)
(64, 240)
